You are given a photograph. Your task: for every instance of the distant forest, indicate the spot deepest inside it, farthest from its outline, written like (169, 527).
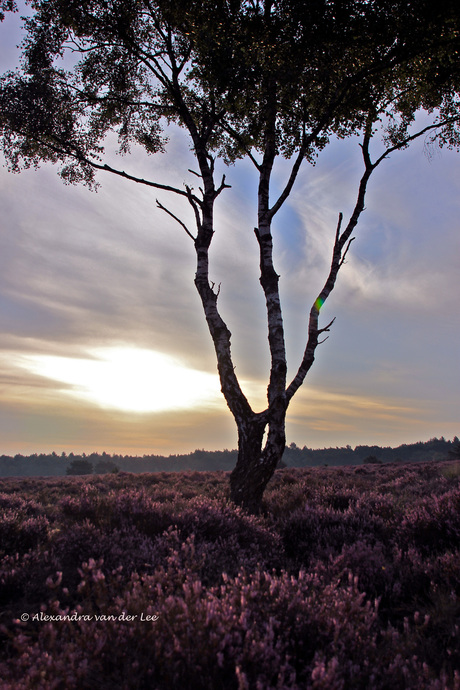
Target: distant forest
(37, 465)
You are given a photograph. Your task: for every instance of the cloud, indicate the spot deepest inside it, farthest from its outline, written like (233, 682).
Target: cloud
(406, 238)
(80, 271)
(43, 425)
(127, 378)
(43, 411)
(87, 267)
(330, 417)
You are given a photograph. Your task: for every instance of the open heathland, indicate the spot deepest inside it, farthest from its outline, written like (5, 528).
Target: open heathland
(349, 578)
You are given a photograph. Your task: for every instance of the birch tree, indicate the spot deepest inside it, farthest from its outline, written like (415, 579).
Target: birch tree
(255, 79)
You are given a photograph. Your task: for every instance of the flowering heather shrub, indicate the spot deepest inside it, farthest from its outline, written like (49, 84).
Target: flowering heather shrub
(22, 524)
(366, 561)
(434, 524)
(14, 502)
(349, 579)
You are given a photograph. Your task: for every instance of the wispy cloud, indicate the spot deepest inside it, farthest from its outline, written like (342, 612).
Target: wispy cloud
(80, 271)
(404, 252)
(361, 418)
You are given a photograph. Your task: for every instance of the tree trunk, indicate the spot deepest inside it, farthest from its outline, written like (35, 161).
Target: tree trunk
(255, 466)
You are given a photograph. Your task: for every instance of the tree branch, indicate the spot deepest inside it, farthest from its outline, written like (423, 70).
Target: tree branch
(416, 135)
(327, 328)
(163, 208)
(290, 183)
(194, 203)
(222, 186)
(338, 257)
(346, 252)
(239, 140)
(342, 245)
(156, 185)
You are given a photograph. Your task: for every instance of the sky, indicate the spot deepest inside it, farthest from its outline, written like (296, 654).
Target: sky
(103, 343)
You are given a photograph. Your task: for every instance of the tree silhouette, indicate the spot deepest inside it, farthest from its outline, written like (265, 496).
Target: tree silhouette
(254, 79)
(80, 467)
(106, 467)
(372, 460)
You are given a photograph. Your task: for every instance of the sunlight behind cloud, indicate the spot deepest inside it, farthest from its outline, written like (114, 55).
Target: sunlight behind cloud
(130, 379)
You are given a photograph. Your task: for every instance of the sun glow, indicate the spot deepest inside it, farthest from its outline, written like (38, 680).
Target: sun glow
(130, 379)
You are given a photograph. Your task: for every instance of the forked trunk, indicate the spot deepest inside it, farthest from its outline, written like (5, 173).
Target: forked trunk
(255, 465)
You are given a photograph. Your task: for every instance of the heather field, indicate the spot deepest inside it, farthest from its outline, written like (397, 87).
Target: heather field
(350, 578)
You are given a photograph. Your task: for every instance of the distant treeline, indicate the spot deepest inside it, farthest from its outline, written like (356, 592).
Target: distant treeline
(434, 449)
(37, 465)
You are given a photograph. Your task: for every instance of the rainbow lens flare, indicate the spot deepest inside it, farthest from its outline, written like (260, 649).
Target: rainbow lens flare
(319, 303)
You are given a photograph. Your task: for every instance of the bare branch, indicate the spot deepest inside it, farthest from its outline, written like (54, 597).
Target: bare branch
(326, 328)
(217, 293)
(122, 173)
(195, 204)
(339, 225)
(163, 208)
(222, 186)
(346, 251)
(321, 126)
(211, 161)
(365, 146)
(292, 178)
(338, 257)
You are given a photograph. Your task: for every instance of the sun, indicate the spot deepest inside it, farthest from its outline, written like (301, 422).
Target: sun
(129, 379)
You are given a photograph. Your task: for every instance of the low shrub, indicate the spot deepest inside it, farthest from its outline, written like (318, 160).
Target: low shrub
(349, 579)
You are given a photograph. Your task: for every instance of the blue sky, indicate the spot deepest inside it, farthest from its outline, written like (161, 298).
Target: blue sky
(86, 277)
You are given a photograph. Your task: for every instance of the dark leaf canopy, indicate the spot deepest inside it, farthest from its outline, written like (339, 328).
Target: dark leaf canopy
(6, 6)
(239, 75)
